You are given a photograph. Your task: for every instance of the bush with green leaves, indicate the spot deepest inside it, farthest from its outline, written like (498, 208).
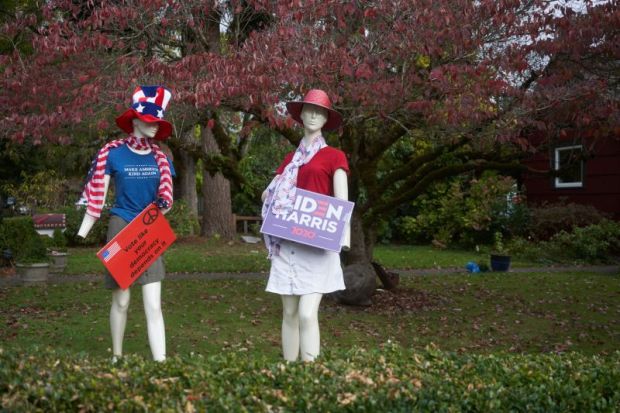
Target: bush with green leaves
(549, 219)
(59, 241)
(465, 211)
(593, 244)
(391, 379)
(18, 235)
(182, 220)
(43, 190)
(266, 150)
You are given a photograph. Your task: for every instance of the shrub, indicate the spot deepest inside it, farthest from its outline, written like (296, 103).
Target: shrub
(59, 241)
(18, 235)
(182, 221)
(597, 243)
(547, 220)
(385, 380)
(523, 247)
(468, 212)
(41, 190)
(594, 243)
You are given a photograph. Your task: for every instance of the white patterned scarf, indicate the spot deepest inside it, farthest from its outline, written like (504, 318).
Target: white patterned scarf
(95, 186)
(281, 190)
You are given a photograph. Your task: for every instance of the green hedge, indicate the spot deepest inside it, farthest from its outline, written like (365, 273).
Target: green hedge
(391, 379)
(593, 244)
(18, 235)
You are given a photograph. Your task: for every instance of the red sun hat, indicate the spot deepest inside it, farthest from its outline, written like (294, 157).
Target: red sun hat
(148, 105)
(319, 98)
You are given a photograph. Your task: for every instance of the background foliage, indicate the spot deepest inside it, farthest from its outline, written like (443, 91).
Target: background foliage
(464, 210)
(266, 151)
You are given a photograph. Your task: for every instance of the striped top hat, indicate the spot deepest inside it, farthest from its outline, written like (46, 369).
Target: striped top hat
(148, 104)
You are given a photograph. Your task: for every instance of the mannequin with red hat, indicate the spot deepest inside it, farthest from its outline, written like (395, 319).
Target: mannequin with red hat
(142, 175)
(301, 274)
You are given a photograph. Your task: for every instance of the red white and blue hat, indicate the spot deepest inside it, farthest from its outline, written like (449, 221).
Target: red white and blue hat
(148, 105)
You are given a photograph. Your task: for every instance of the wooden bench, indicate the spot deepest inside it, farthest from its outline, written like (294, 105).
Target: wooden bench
(245, 219)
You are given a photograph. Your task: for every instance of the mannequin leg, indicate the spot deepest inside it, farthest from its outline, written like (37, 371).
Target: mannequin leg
(118, 319)
(151, 296)
(290, 327)
(310, 337)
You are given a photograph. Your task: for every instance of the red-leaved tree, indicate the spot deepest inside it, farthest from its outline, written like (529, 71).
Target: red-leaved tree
(428, 88)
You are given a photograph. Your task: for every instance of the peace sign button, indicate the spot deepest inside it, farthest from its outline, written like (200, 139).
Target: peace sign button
(150, 215)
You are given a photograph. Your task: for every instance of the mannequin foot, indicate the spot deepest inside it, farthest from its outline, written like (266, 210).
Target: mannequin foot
(115, 359)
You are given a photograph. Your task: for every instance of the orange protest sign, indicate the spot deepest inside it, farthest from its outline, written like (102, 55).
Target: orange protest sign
(137, 246)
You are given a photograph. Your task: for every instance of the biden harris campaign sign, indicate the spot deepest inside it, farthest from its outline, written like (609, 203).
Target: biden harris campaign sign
(316, 220)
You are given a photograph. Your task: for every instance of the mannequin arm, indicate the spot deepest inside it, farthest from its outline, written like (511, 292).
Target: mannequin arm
(341, 190)
(89, 220)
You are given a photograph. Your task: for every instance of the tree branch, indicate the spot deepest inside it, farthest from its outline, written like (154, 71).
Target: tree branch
(415, 163)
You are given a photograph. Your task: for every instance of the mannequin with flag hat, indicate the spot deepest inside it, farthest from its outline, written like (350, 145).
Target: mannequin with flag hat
(301, 274)
(142, 174)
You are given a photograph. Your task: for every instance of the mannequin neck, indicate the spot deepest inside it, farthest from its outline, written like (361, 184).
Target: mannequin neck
(309, 137)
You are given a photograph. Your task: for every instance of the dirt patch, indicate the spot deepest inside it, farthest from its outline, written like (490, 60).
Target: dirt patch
(403, 300)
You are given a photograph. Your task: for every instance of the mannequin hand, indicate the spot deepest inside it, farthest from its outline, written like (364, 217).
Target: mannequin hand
(162, 204)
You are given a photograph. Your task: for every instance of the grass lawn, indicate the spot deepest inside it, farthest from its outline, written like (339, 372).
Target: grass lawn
(197, 255)
(514, 312)
(188, 255)
(425, 256)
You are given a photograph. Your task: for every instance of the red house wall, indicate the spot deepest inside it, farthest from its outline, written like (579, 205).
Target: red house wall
(601, 183)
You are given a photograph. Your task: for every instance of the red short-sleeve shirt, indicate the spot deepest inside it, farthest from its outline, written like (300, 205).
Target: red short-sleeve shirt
(318, 174)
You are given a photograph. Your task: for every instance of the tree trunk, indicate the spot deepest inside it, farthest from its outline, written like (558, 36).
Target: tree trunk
(217, 206)
(359, 274)
(185, 181)
(186, 173)
(361, 245)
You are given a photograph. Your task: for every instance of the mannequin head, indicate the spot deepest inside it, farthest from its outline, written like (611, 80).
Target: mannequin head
(313, 117)
(148, 106)
(142, 129)
(315, 101)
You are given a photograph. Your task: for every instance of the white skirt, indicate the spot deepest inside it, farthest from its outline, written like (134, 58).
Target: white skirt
(299, 269)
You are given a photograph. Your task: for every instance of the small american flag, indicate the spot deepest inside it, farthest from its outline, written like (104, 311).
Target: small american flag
(111, 251)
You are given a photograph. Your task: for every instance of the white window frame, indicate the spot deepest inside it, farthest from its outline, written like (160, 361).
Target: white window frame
(556, 165)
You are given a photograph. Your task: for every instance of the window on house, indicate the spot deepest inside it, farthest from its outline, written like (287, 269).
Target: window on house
(568, 161)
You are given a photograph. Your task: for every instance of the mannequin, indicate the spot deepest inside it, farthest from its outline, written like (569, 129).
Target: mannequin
(146, 129)
(300, 327)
